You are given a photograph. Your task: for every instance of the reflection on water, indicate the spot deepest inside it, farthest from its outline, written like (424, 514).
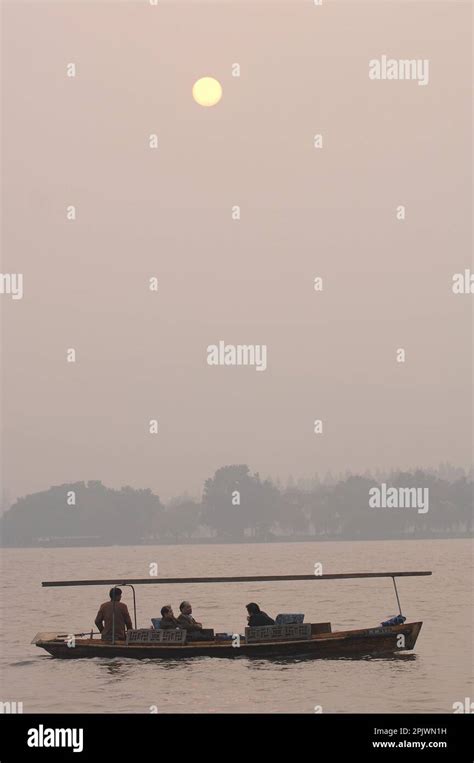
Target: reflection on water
(296, 660)
(429, 680)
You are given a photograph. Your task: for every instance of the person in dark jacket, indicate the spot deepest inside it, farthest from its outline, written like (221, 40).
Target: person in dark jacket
(186, 619)
(168, 620)
(256, 617)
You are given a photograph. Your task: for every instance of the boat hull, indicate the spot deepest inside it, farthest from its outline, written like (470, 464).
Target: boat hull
(355, 643)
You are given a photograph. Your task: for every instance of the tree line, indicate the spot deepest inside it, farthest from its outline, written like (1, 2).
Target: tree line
(237, 505)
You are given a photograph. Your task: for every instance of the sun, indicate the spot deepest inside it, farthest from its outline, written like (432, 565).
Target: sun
(207, 91)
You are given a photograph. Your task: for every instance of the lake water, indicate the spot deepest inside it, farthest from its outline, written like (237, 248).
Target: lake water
(430, 680)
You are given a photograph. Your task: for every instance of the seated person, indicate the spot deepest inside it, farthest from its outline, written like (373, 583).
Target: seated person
(256, 617)
(168, 620)
(113, 614)
(186, 620)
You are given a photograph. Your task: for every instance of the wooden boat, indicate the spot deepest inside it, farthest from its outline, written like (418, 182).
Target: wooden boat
(310, 640)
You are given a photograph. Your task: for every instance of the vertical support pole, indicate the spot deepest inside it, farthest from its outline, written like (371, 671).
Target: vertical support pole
(134, 604)
(113, 618)
(396, 594)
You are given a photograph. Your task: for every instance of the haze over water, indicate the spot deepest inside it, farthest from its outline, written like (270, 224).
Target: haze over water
(430, 680)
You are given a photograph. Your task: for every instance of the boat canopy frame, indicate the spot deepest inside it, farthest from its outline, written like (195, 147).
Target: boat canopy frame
(132, 582)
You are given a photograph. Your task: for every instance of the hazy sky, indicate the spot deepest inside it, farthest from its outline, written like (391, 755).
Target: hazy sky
(305, 212)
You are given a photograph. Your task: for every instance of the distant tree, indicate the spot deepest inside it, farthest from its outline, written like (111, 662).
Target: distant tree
(234, 500)
(180, 520)
(111, 516)
(349, 503)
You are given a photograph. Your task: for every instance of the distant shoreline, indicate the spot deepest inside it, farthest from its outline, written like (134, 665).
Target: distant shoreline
(242, 542)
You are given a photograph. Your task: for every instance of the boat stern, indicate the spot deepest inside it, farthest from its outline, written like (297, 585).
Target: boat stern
(410, 631)
(44, 636)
